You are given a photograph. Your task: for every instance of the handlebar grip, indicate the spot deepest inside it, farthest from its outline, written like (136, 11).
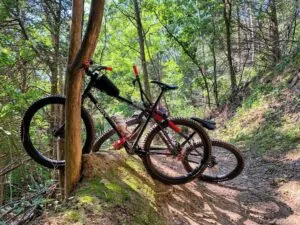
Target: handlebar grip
(135, 71)
(109, 68)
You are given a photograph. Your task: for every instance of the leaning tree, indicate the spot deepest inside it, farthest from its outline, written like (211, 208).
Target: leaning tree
(80, 51)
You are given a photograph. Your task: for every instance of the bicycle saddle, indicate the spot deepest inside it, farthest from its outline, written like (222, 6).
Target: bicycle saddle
(209, 124)
(164, 86)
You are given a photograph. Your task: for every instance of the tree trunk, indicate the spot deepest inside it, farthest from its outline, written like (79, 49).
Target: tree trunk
(252, 27)
(294, 25)
(193, 59)
(73, 148)
(205, 85)
(227, 9)
(215, 85)
(142, 47)
(239, 38)
(83, 52)
(274, 32)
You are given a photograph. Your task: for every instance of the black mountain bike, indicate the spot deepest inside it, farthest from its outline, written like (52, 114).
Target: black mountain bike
(42, 131)
(226, 162)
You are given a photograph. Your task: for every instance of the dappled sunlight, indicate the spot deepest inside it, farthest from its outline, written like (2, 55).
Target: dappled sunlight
(197, 202)
(293, 155)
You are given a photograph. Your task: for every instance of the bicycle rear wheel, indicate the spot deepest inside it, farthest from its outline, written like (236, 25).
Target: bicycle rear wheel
(226, 163)
(166, 148)
(42, 131)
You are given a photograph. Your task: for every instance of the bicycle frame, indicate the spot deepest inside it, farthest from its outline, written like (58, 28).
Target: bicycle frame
(148, 112)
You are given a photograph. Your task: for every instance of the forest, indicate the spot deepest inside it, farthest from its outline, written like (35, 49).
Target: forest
(234, 62)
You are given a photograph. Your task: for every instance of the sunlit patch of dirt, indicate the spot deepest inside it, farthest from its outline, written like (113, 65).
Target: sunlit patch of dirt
(294, 155)
(249, 199)
(290, 192)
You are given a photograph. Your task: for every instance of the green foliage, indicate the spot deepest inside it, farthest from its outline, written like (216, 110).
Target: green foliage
(265, 123)
(270, 138)
(73, 216)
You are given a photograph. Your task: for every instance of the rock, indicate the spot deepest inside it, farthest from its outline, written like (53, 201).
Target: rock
(278, 181)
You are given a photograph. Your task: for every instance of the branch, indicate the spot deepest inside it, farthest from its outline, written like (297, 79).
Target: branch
(91, 35)
(14, 166)
(126, 14)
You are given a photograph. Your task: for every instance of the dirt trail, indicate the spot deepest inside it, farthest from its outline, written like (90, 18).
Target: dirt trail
(267, 192)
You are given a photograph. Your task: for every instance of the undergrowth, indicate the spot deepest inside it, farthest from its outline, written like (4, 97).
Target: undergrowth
(268, 120)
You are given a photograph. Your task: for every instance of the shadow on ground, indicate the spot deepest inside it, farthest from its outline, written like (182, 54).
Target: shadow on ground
(260, 195)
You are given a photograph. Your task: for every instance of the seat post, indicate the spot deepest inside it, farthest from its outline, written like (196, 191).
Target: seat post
(158, 98)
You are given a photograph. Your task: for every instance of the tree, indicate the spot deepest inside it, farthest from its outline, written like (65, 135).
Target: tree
(213, 51)
(79, 52)
(141, 36)
(274, 32)
(185, 31)
(227, 14)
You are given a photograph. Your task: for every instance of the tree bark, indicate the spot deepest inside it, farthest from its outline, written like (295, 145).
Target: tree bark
(73, 88)
(142, 47)
(82, 53)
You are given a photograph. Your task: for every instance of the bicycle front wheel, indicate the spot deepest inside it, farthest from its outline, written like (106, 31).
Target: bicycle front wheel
(226, 162)
(42, 131)
(165, 150)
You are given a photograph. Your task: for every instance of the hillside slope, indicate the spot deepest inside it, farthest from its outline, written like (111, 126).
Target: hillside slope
(268, 120)
(117, 190)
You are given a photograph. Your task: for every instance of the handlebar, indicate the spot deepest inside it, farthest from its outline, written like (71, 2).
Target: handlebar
(109, 68)
(92, 72)
(88, 63)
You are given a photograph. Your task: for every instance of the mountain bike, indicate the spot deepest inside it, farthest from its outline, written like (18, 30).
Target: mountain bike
(43, 129)
(226, 162)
